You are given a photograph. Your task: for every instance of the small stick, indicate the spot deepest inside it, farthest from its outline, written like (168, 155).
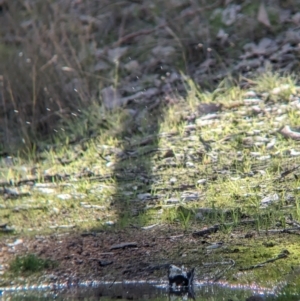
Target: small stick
(283, 254)
(217, 227)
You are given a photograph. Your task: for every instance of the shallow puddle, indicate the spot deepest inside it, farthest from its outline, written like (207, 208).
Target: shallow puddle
(140, 291)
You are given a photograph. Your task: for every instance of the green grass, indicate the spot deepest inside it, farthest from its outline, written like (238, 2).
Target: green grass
(30, 264)
(93, 175)
(108, 169)
(121, 178)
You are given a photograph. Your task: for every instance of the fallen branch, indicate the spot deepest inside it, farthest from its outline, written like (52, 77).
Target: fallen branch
(283, 254)
(287, 230)
(221, 273)
(211, 264)
(209, 230)
(136, 34)
(124, 245)
(217, 227)
(287, 172)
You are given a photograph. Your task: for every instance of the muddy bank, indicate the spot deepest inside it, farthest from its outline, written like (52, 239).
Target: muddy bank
(135, 254)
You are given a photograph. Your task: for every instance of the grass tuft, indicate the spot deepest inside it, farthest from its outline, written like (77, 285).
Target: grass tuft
(30, 264)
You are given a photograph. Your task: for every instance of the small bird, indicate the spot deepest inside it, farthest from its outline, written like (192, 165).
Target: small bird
(180, 276)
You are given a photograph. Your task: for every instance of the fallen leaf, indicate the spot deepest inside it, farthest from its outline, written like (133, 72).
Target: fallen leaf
(116, 53)
(294, 153)
(222, 35)
(229, 14)
(263, 45)
(296, 19)
(101, 65)
(287, 132)
(208, 108)
(271, 144)
(132, 66)
(111, 98)
(269, 199)
(163, 52)
(281, 88)
(263, 15)
(67, 69)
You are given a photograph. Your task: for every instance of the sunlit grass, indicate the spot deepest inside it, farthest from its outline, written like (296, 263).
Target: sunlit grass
(227, 165)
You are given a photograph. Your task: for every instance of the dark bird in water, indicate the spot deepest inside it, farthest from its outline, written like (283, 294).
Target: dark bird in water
(180, 276)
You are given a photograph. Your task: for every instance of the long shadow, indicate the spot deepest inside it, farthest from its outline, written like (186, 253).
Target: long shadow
(133, 172)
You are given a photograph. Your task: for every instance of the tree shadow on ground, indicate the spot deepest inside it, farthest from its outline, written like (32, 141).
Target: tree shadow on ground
(133, 171)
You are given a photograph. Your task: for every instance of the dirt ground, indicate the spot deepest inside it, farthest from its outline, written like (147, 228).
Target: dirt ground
(136, 254)
(146, 254)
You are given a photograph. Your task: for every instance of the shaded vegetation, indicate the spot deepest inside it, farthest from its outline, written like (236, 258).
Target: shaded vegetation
(30, 264)
(58, 56)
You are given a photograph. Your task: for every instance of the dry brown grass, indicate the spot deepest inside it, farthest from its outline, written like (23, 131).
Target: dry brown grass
(51, 51)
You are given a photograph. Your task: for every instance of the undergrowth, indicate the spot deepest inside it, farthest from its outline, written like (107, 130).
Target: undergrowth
(58, 56)
(30, 264)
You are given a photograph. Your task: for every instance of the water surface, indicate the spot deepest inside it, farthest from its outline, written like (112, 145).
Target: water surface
(139, 291)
